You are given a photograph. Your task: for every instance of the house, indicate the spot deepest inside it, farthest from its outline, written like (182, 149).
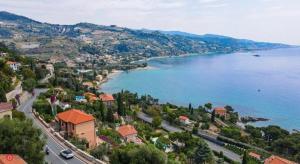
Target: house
(50, 68)
(88, 85)
(75, 123)
(277, 160)
(6, 110)
(107, 99)
(13, 65)
(129, 134)
(91, 97)
(3, 54)
(220, 111)
(11, 159)
(255, 155)
(184, 120)
(99, 78)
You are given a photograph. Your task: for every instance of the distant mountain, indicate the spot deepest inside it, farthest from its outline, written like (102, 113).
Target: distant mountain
(37, 38)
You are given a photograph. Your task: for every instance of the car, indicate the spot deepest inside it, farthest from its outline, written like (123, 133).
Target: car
(67, 154)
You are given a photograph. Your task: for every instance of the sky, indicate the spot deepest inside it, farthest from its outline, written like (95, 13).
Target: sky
(260, 20)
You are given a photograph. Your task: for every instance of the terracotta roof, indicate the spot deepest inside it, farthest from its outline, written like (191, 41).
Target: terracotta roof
(5, 107)
(278, 160)
(88, 94)
(220, 109)
(11, 159)
(254, 155)
(89, 84)
(183, 118)
(74, 116)
(126, 130)
(106, 97)
(11, 62)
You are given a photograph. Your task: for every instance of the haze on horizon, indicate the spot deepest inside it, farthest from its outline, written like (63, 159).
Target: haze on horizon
(260, 20)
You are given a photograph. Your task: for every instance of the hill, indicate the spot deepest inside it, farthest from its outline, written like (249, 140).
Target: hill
(44, 40)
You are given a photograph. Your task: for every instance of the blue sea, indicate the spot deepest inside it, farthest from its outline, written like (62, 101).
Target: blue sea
(266, 86)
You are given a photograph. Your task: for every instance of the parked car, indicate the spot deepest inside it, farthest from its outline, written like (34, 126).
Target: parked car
(67, 154)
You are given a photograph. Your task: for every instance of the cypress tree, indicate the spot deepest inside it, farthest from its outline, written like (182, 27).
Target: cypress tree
(213, 116)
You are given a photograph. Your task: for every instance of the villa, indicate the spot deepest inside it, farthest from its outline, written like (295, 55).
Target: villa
(88, 85)
(254, 155)
(107, 99)
(277, 160)
(6, 110)
(13, 65)
(220, 111)
(129, 134)
(75, 123)
(184, 120)
(91, 97)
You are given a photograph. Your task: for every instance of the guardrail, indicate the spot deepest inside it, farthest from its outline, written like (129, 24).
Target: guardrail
(80, 152)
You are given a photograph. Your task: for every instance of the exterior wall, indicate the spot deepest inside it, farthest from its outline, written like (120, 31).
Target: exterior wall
(3, 114)
(108, 103)
(18, 90)
(87, 130)
(69, 128)
(130, 137)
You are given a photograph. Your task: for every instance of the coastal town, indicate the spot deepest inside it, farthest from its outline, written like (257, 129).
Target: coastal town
(62, 116)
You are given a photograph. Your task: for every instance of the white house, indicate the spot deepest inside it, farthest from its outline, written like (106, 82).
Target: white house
(13, 65)
(184, 120)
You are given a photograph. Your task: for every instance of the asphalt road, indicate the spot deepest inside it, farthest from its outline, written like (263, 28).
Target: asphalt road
(165, 125)
(53, 144)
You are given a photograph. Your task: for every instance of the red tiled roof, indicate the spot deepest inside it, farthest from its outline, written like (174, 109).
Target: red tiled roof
(5, 107)
(219, 109)
(126, 130)
(183, 118)
(88, 94)
(10, 62)
(74, 116)
(254, 155)
(106, 97)
(278, 160)
(11, 159)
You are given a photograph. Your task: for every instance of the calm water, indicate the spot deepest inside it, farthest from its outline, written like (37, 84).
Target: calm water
(232, 79)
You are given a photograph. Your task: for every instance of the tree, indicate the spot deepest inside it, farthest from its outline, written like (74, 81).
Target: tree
(213, 116)
(18, 115)
(135, 154)
(190, 107)
(2, 95)
(208, 106)
(245, 158)
(156, 122)
(203, 154)
(109, 115)
(20, 137)
(100, 151)
(29, 84)
(121, 108)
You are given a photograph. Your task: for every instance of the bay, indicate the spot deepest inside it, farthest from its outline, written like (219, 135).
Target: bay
(262, 84)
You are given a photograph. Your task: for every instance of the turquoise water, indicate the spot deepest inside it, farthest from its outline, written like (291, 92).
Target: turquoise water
(233, 79)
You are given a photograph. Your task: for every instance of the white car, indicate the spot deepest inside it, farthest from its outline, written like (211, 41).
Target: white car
(67, 154)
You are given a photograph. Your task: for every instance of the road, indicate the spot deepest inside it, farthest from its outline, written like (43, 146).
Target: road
(165, 125)
(53, 144)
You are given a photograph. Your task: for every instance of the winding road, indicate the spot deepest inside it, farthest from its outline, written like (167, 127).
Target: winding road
(165, 125)
(54, 145)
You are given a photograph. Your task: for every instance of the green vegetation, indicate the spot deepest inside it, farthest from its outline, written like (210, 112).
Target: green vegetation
(79, 143)
(20, 137)
(145, 154)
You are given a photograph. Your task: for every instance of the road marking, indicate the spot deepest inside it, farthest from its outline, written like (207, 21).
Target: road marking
(56, 155)
(28, 102)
